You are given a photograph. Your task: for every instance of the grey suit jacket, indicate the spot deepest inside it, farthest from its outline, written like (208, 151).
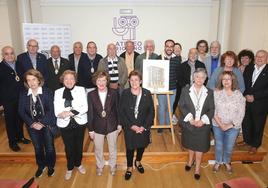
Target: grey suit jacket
(207, 63)
(186, 105)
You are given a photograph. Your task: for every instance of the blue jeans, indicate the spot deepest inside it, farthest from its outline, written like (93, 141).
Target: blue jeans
(43, 143)
(224, 144)
(163, 115)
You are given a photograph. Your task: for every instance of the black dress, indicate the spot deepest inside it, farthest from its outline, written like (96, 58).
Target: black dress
(144, 118)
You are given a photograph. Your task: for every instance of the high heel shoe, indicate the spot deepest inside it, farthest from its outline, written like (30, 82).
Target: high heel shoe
(197, 176)
(187, 167)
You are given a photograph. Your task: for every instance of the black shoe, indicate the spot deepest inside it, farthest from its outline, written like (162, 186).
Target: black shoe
(39, 172)
(197, 176)
(139, 167)
(24, 141)
(128, 175)
(188, 168)
(14, 147)
(50, 172)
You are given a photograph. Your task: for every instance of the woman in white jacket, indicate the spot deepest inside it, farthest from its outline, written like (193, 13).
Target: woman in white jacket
(70, 103)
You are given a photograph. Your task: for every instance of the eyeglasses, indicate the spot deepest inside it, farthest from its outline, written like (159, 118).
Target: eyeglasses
(12, 53)
(33, 46)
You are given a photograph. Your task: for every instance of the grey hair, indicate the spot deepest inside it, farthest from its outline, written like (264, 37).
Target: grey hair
(202, 70)
(148, 41)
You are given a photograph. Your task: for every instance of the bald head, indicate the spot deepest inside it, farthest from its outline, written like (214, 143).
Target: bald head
(192, 55)
(55, 51)
(8, 54)
(261, 58)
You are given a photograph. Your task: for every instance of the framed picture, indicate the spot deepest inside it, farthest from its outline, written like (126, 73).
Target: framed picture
(156, 75)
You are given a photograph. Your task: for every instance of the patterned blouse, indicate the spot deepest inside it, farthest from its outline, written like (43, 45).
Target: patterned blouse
(230, 109)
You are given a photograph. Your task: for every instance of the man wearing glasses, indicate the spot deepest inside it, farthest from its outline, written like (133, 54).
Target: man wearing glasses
(32, 60)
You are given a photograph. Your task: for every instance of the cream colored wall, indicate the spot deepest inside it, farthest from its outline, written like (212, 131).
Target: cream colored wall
(184, 21)
(249, 25)
(183, 24)
(5, 36)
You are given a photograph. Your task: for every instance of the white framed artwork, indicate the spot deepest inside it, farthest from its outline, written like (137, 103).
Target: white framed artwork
(156, 75)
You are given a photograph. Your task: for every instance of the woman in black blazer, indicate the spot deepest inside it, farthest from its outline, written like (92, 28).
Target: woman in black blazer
(103, 120)
(136, 117)
(37, 111)
(197, 106)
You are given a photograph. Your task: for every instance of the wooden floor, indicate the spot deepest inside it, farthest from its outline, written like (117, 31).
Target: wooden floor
(163, 161)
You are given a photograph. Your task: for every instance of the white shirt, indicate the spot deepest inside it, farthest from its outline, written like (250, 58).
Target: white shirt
(198, 100)
(257, 71)
(30, 92)
(102, 96)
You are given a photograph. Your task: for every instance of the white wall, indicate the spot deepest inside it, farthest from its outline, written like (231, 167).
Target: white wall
(5, 36)
(182, 22)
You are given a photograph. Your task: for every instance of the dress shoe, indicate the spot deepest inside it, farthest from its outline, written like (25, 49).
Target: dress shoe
(14, 147)
(128, 175)
(24, 141)
(139, 167)
(187, 167)
(197, 176)
(39, 172)
(50, 172)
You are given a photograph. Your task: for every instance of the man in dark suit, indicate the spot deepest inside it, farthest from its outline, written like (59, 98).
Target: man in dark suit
(186, 70)
(89, 67)
(79, 62)
(130, 55)
(32, 60)
(56, 66)
(256, 93)
(10, 85)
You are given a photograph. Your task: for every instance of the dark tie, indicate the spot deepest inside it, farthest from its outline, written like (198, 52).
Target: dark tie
(56, 66)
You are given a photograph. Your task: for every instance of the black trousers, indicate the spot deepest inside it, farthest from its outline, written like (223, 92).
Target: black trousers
(73, 139)
(253, 126)
(14, 124)
(130, 155)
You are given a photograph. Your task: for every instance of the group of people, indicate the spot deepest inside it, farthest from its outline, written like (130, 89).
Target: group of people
(214, 91)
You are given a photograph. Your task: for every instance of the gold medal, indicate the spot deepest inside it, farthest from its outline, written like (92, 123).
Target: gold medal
(17, 78)
(103, 114)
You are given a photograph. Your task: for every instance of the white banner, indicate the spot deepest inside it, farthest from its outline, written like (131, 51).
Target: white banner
(48, 35)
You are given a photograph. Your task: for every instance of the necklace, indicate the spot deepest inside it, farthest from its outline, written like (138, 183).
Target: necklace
(198, 97)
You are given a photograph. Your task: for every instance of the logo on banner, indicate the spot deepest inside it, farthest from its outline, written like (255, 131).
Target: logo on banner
(125, 26)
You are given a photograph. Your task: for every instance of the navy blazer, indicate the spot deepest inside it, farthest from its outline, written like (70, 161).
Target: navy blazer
(24, 64)
(84, 74)
(47, 101)
(9, 87)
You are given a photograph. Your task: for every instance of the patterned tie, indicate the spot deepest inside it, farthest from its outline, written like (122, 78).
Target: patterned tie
(56, 66)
